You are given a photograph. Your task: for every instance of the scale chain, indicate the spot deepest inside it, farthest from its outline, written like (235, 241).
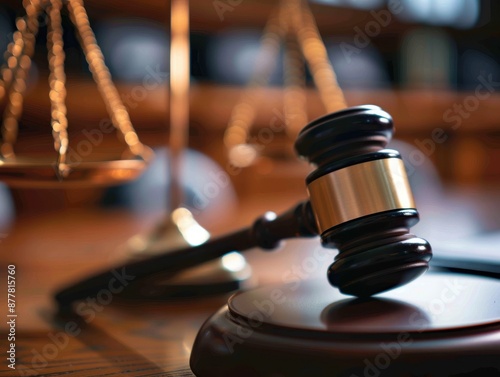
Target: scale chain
(119, 114)
(294, 98)
(57, 82)
(294, 23)
(244, 112)
(16, 74)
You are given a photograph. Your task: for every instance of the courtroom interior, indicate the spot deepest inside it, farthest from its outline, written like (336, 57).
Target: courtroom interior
(250, 188)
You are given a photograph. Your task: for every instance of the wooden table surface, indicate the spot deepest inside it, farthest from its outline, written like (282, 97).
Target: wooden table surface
(122, 338)
(125, 338)
(129, 338)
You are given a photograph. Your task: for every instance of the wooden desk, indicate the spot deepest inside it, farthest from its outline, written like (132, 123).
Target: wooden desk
(122, 338)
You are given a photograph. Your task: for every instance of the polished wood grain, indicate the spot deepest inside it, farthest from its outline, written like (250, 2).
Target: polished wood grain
(55, 248)
(306, 329)
(123, 338)
(135, 338)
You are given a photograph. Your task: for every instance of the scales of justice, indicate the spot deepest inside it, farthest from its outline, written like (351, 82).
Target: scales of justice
(377, 311)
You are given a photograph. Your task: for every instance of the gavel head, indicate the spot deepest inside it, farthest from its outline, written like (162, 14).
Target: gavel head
(362, 201)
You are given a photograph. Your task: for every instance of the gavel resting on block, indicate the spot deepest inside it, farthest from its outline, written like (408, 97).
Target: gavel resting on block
(360, 203)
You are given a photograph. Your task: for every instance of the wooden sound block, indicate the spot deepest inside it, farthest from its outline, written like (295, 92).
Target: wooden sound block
(439, 325)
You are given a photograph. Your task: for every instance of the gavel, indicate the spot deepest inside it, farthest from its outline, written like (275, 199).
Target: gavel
(360, 203)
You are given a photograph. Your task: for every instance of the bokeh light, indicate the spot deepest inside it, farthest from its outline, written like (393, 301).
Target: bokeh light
(460, 14)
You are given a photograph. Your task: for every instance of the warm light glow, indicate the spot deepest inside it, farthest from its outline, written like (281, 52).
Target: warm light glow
(138, 243)
(179, 72)
(17, 69)
(192, 232)
(102, 77)
(179, 94)
(270, 216)
(131, 138)
(242, 155)
(234, 262)
(57, 81)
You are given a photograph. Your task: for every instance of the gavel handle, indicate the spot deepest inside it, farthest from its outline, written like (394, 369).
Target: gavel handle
(266, 232)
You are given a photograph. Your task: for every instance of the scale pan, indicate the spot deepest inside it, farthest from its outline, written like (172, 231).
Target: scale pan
(23, 172)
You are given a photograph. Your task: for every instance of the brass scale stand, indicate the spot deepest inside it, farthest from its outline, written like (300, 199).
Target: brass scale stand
(292, 22)
(174, 230)
(17, 171)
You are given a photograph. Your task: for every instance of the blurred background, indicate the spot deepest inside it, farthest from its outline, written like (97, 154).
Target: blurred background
(433, 65)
